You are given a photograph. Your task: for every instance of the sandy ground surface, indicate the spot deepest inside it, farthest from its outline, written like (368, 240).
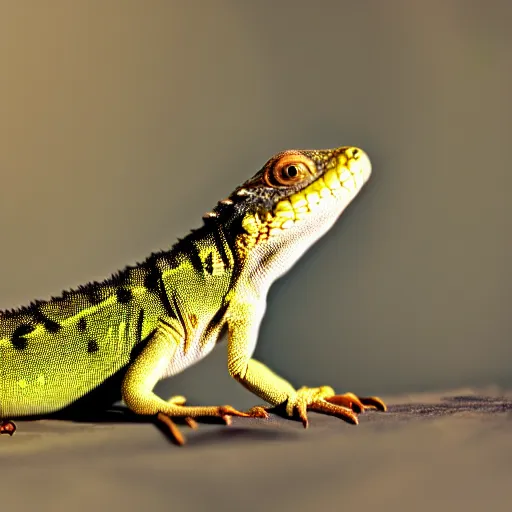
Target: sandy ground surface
(449, 451)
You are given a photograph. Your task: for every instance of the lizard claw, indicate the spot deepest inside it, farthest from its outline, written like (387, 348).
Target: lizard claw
(346, 406)
(257, 412)
(225, 412)
(357, 404)
(254, 412)
(173, 429)
(301, 407)
(191, 422)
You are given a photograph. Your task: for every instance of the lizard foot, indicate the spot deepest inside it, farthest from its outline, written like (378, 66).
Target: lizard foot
(225, 412)
(324, 400)
(7, 427)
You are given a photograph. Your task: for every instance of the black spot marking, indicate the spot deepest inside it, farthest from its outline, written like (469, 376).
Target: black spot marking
(18, 340)
(152, 278)
(190, 249)
(39, 317)
(123, 295)
(208, 264)
(23, 330)
(19, 343)
(92, 346)
(50, 325)
(140, 325)
(82, 324)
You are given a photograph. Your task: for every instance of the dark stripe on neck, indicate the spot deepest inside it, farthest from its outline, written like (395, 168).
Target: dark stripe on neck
(189, 248)
(140, 325)
(221, 242)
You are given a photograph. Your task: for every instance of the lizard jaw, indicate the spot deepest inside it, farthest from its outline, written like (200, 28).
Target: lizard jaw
(329, 194)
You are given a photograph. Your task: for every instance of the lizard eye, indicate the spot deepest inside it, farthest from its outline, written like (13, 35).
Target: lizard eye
(289, 170)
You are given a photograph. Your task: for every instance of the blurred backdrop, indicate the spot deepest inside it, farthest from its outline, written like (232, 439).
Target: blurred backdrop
(122, 122)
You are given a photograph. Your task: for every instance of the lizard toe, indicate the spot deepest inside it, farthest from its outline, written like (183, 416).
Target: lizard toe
(323, 399)
(173, 429)
(257, 412)
(326, 407)
(357, 404)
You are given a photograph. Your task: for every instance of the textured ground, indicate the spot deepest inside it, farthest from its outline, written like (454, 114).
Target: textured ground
(449, 451)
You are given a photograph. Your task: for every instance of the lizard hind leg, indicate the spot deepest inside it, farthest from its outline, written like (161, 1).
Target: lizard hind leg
(175, 408)
(225, 412)
(142, 376)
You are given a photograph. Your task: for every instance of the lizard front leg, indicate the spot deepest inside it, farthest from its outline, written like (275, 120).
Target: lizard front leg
(263, 382)
(148, 368)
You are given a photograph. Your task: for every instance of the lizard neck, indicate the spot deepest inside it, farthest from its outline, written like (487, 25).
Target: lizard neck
(266, 254)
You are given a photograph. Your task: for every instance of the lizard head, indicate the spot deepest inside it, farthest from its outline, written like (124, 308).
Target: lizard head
(294, 199)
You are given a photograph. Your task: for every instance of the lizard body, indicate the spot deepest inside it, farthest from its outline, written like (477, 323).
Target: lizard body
(153, 320)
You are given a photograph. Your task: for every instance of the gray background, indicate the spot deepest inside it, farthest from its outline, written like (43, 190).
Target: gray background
(122, 122)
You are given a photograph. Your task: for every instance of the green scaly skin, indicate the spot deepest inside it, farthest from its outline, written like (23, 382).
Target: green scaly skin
(117, 338)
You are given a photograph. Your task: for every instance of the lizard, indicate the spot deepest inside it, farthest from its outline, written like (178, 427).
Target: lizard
(117, 338)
